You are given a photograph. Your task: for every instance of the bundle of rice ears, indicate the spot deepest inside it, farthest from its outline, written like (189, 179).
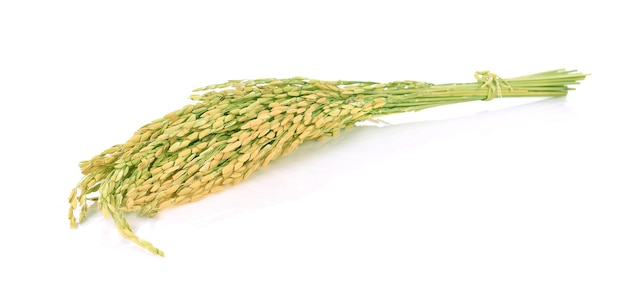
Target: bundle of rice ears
(237, 127)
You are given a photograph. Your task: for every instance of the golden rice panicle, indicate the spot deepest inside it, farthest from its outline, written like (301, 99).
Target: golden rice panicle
(270, 129)
(202, 148)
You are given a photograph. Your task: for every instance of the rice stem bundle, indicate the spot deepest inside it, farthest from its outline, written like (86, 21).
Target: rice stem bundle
(237, 127)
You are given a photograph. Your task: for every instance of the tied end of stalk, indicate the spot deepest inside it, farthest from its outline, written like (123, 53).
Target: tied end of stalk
(488, 85)
(493, 82)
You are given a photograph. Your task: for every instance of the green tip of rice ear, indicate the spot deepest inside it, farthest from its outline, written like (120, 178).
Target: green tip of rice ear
(239, 126)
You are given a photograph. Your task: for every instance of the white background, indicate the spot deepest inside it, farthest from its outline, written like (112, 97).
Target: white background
(501, 195)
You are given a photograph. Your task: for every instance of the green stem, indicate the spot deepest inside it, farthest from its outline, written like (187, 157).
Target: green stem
(555, 83)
